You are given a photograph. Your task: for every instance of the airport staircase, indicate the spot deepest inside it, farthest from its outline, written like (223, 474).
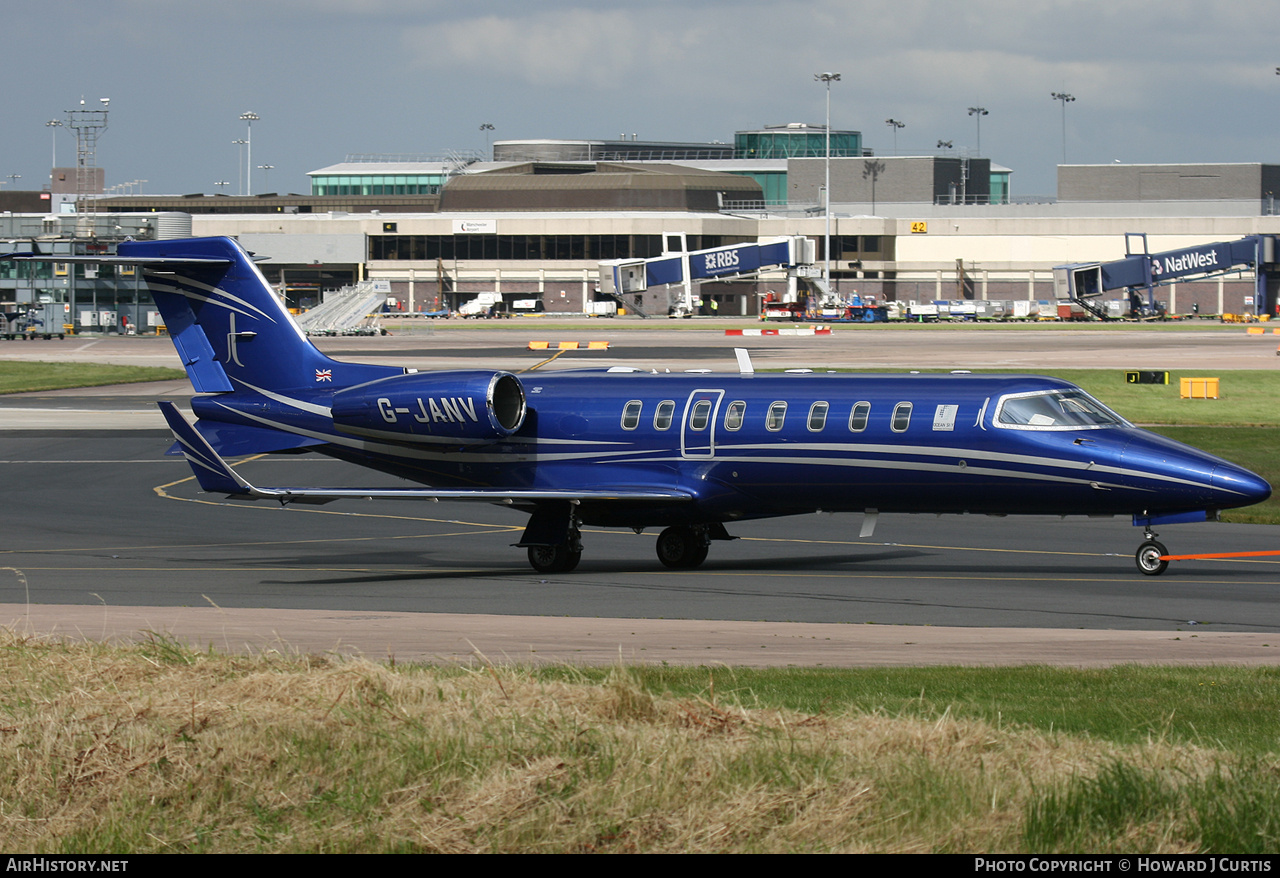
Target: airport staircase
(631, 305)
(821, 289)
(344, 312)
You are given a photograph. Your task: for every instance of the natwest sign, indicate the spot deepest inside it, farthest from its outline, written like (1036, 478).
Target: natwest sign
(1195, 260)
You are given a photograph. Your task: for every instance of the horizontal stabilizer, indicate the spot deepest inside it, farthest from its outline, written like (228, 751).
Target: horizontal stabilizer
(211, 471)
(215, 476)
(236, 440)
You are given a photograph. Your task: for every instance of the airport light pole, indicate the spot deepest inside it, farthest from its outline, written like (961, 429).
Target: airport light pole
(895, 124)
(979, 112)
(1065, 99)
(486, 128)
(827, 79)
(53, 125)
(240, 165)
(265, 180)
(249, 118)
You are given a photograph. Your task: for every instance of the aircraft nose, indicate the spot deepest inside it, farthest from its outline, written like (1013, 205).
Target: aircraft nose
(1236, 486)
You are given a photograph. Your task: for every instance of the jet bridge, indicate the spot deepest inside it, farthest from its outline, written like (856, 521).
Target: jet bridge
(1085, 283)
(620, 277)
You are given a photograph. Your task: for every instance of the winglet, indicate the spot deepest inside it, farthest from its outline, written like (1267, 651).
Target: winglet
(213, 473)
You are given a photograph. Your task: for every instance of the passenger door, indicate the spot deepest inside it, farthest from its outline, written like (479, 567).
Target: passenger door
(698, 426)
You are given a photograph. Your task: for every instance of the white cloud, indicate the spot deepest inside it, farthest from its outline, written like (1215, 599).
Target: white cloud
(420, 75)
(582, 47)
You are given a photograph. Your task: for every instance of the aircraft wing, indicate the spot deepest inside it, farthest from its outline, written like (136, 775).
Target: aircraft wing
(216, 476)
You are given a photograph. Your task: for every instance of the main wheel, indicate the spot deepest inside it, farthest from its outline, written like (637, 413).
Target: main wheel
(553, 559)
(1148, 558)
(682, 547)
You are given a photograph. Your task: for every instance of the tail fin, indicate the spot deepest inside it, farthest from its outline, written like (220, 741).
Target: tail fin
(230, 328)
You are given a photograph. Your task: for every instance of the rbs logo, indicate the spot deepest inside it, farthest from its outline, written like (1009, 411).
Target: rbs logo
(722, 261)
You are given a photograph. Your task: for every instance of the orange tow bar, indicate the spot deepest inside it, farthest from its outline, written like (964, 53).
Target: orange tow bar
(1216, 555)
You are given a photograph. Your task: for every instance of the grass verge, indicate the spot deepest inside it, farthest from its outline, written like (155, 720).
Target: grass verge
(26, 377)
(160, 748)
(1249, 398)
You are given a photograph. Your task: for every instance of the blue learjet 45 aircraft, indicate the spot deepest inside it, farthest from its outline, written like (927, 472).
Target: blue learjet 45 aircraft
(621, 447)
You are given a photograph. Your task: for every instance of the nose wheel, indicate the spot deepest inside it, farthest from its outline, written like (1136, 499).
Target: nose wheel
(1149, 560)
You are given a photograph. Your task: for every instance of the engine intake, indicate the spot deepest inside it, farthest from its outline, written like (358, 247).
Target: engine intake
(469, 407)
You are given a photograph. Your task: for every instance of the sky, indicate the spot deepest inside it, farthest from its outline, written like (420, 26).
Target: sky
(1176, 81)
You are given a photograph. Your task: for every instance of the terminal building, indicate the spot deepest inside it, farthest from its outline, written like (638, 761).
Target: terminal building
(535, 220)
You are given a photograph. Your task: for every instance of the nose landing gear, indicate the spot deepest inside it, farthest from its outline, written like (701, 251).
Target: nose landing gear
(1150, 556)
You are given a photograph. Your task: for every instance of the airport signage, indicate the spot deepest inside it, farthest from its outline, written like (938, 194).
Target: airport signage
(475, 227)
(1193, 260)
(721, 262)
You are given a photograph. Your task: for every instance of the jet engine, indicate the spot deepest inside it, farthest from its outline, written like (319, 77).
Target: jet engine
(467, 407)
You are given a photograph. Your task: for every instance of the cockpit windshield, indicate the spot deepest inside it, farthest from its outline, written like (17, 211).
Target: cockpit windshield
(1054, 410)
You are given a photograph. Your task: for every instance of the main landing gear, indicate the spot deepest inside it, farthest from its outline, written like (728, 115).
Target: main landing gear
(1149, 555)
(553, 539)
(683, 547)
(555, 559)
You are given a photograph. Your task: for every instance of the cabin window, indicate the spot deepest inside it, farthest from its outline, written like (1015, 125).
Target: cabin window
(859, 416)
(901, 417)
(735, 415)
(663, 415)
(701, 415)
(631, 414)
(777, 414)
(818, 416)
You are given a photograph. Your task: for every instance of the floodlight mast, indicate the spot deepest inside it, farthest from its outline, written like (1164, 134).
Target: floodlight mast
(1065, 99)
(240, 164)
(827, 79)
(249, 118)
(53, 125)
(895, 124)
(979, 112)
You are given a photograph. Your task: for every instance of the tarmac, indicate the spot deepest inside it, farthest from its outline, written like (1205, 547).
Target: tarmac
(596, 641)
(525, 640)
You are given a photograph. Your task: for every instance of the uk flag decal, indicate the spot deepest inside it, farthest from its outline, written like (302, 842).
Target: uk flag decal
(324, 374)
